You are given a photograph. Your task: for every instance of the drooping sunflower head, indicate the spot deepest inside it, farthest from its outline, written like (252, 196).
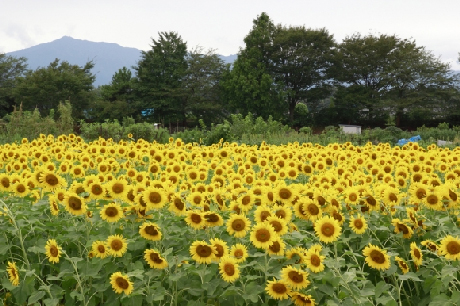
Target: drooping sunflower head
(402, 264)
(13, 273)
(213, 219)
(221, 248)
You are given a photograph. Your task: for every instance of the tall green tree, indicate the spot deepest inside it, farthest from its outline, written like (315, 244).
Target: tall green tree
(301, 60)
(388, 75)
(10, 69)
(44, 88)
(115, 100)
(159, 76)
(249, 86)
(201, 85)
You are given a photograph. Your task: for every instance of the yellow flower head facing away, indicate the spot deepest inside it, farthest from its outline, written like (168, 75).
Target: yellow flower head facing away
(13, 273)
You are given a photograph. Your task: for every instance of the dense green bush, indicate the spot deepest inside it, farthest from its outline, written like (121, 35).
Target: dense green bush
(116, 131)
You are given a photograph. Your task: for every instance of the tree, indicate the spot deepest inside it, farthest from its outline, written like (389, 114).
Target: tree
(159, 76)
(248, 86)
(44, 88)
(116, 100)
(201, 86)
(10, 69)
(386, 74)
(300, 60)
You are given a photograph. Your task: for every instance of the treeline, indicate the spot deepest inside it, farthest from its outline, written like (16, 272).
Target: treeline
(299, 76)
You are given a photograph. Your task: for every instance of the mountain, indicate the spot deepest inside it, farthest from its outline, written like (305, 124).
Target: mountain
(107, 57)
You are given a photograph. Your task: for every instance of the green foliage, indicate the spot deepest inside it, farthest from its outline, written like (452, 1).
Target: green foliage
(26, 124)
(159, 76)
(10, 69)
(116, 131)
(45, 87)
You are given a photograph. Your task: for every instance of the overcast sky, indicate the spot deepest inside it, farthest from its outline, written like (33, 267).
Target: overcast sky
(222, 25)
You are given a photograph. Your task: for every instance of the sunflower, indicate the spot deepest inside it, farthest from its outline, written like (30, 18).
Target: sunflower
(196, 199)
(277, 248)
(402, 264)
(450, 247)
(238, 225)
(50, 181)
(278, 289)
(311, 210)
(195, 219)
(154, 198)
(433, 200)
(150, 231)
(300, 299)
(116, 188)
(121, 283)
(327, 229)
(221, 248)
(202, 252)
(376, 257)
(53, 251)
(111, 212)
(314, 260)
(213, 219)
(431, 245)
(279, 225)
(358, 224)
(299, 252)
(239, 252)
(117, 245)
(402, 227)
(13, 273)
(262, 212)
(54, 205)
(177, 205)
(262, 235)
(96, 190)
(154, 259)
(416, 254)
(228, 269)
(284, 213)
(74, 204)
(99, 249)
(295, 278)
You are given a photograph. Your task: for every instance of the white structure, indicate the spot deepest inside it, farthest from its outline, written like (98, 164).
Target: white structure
(350, 129)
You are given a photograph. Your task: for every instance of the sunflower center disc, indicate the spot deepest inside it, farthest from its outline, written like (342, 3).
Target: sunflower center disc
(453, 247)
(358, 224)
(377, 257)
(315, 260)
(116, 245)
(279, 288)
(327, 229)
(122, 283)
(54, 251)
(229, 269)
(263, 235)
(295, 276)
(151, 230)
(111, 212)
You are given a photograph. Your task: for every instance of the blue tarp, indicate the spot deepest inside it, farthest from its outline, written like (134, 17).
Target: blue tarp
(403, 141)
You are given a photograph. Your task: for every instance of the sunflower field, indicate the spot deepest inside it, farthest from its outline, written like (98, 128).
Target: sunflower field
(140, 223)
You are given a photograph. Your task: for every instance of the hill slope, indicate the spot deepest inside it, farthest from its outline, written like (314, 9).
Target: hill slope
(107, 57)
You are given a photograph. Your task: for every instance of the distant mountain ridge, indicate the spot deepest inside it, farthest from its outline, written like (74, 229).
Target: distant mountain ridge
(107, 57)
